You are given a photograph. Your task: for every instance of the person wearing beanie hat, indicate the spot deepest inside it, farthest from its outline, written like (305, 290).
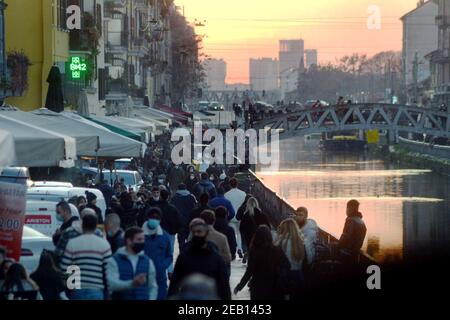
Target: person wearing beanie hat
(92, 204)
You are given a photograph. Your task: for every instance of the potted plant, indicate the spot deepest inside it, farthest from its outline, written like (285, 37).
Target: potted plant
(18, 64)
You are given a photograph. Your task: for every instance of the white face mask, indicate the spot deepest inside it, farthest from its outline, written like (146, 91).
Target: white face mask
(161, 181)
(192, 177)
(211, 178)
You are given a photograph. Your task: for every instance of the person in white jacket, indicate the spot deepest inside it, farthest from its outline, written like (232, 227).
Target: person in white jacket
(131, 274)
(237, 198)
(309, 230)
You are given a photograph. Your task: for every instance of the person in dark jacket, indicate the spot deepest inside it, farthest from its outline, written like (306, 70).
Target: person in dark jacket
(92, 204)
(158, 248)
(63, 214)
(267, 266)
(127, 211)
(114, 234)
(191, 179)
(221, 201)
(200, 256)
(171, 220)
(107, 191)
(201, 206)
(185, 202)
(204, 186)
(175, 177)
(355, 230)
(155, 199)
(251, 218)
(223, 227)
(48, 277)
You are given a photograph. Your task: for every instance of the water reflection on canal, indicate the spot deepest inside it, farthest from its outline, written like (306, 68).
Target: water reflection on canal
(407, 211)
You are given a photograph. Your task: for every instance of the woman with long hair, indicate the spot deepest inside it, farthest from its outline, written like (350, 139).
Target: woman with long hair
(18, 284)
(267, 265)
(291, 242)
(251, 219)
(48, 277)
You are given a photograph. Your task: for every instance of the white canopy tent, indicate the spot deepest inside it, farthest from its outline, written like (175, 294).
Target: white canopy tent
(87, 141)
(38, 147)
(7, 149)
(144, 130)
(112, 145)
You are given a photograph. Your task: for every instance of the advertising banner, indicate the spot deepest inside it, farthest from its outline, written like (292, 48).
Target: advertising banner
(12, 216)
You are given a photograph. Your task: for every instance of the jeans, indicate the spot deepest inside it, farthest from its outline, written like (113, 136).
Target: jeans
(87, 294)
(172, 247)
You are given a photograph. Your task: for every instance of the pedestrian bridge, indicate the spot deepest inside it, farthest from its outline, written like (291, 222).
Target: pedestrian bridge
(369, 116)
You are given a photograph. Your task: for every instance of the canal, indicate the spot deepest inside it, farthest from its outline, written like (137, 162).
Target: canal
(406, 210)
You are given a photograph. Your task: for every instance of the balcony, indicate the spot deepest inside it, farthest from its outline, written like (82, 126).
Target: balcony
(117, 42)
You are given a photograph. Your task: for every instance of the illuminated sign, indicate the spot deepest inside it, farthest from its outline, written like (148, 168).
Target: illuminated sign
(77, 68)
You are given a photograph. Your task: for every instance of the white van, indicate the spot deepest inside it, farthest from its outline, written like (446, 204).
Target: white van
(42, 184)
(59, 193)
(41, 216)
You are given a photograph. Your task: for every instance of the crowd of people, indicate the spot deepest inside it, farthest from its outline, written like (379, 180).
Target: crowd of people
(130, 255)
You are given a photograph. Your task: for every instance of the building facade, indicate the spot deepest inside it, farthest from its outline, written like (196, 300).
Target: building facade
(216, 73)
(420, 37)
(263, 74)
(311, 57)
(291, 62)
(44, 39)
(440, 59)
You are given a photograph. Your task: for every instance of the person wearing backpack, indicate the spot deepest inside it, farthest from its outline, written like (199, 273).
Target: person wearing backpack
(204, 186)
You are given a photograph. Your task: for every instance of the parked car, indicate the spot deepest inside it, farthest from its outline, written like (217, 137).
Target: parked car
(123, 164)
(33, 243)
(56, 194)
(19, 175)
(41, 216)
(132, 179)
(215, 106)
(41, 184)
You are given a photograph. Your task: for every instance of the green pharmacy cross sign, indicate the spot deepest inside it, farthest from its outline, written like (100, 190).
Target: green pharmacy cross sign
(77, 68)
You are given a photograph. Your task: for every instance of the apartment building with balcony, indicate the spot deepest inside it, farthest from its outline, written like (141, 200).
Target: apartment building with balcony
(440, 59)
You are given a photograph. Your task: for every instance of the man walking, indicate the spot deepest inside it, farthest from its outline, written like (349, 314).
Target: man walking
(131, 274)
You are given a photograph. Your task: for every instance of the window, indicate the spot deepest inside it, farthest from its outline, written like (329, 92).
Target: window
(61, 17)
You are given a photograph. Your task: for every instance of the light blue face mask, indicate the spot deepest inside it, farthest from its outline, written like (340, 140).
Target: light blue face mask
(59, 218)
(152, 224)
(110, 234)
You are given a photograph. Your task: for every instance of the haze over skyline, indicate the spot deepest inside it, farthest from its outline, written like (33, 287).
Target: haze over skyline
(239, 30)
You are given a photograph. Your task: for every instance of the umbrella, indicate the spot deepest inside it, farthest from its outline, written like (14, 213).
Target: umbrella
(55, 100)
(83, 104)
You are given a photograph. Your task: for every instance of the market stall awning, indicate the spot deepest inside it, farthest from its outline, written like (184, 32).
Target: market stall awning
(87, 142)
(115, 128)
(7, 149)
(38, 147)
(112, 145)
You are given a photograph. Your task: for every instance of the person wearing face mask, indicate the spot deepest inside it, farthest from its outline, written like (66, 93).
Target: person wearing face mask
(131, 273)
(201, 256)
(191, 180)
(114, 234)
(158, 249)
(64, 215)
(155, 199)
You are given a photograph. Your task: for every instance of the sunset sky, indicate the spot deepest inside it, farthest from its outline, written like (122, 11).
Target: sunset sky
(240, 29)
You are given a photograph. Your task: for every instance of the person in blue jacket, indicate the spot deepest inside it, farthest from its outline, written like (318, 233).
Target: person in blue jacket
(221, 201)
(158, 249)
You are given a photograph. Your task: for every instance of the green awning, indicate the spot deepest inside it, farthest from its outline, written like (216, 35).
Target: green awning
(115, 129)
